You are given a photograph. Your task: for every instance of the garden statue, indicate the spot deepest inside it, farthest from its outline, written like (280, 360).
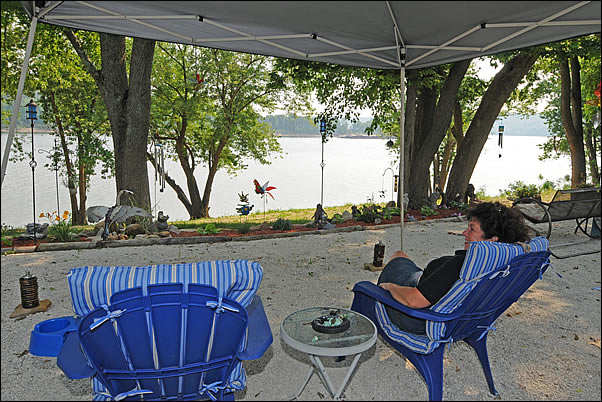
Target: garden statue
(320, 217)
(162, 222)
(40, 231)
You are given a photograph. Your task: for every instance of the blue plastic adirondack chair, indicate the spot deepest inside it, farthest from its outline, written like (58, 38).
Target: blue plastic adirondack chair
(493, 277)
(161, 332)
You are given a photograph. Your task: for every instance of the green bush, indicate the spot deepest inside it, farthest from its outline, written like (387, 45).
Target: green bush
(244, 228)
(281, 224)
(425, 210)
(337, 218)
(209, 228)
(518, 189)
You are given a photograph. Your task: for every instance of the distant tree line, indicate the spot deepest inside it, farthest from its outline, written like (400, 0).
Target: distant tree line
(291, 124)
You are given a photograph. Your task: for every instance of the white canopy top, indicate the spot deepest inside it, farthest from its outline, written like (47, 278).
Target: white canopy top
(354, 33)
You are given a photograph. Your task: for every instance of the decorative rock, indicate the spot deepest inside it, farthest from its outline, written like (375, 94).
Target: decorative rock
(164, 233)
(152, 236)
(391, 204)
(134, 229)
(347, 215)
(87, 233)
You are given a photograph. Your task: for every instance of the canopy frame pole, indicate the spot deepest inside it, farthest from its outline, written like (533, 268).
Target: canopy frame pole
(17, 103)
(400, 187)
(401, 54)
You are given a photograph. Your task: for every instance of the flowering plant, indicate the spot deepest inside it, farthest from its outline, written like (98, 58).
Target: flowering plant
(60, 227)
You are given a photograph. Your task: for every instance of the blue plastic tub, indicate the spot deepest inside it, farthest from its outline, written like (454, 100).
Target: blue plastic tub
(48, 336)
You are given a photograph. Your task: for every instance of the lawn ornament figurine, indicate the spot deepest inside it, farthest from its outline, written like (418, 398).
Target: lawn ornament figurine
(263, 190)
(244, 207)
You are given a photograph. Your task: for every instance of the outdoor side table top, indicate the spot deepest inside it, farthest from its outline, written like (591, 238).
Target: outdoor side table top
(296, 331)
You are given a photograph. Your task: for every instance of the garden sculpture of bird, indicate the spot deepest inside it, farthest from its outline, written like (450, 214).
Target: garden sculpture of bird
(117, 213)
(263, 189)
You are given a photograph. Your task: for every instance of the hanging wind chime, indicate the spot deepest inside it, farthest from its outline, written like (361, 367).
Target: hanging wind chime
(159, 169)
(500, 139)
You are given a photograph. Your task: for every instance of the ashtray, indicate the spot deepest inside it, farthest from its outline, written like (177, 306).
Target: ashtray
(333, 323)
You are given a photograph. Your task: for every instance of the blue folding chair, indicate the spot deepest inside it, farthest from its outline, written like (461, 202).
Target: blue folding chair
(166, 331)
(493, 277)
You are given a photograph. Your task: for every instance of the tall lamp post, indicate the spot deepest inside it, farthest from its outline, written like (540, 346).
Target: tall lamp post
(32, 114)
(55, 159)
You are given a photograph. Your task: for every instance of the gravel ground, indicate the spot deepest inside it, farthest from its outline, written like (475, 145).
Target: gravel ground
(546, 346)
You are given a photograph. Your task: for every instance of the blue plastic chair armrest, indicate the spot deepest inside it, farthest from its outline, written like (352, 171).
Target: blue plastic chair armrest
(259, 336)
(384, 296)
(71, 359)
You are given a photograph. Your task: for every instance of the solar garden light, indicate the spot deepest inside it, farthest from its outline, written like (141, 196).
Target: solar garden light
(32, 114)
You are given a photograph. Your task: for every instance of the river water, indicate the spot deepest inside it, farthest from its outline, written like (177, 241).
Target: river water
(355, 169)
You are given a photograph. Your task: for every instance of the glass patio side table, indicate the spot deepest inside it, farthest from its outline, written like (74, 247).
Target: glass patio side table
(297, 331)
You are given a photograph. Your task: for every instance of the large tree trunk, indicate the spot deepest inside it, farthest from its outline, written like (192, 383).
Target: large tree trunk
(428, 143)
(570, 113)
(128, 107)
(472, 144)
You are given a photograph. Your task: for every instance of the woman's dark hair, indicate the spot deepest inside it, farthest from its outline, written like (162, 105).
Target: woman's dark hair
(497, 220)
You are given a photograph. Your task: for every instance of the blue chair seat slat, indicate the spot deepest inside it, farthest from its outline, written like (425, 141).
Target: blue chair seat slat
(494, 276)
(141, 374)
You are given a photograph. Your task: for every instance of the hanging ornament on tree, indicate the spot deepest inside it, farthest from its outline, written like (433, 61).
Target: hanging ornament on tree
(500, 139)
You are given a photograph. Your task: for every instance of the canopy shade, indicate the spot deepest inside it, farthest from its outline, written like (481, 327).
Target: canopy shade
(356, 33)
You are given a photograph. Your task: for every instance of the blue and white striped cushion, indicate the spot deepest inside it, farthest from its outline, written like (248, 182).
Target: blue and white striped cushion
(93, 286)
(481, 257)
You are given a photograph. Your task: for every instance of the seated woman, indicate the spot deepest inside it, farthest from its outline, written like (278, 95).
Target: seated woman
(416, 288)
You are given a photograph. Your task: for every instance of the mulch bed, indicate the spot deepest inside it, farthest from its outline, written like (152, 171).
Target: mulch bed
(415, 213)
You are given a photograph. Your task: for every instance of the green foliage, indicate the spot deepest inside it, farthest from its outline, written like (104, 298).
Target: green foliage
(244, 228)
(369, 213)
(518, 189)
(337, 218)
(281, 224)
(209, 228)
(425, 210)
(60, 227)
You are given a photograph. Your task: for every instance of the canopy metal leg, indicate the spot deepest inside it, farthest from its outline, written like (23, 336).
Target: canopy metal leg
(13, 119)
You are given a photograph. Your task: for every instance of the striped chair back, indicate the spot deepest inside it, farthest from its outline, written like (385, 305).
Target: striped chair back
(93, 286)
(482, 258)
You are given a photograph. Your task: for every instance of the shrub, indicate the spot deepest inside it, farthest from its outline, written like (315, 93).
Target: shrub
(281, 224)
(425, 210)
(245, 228)
(518, 189)
(209, 228)
(337, 218)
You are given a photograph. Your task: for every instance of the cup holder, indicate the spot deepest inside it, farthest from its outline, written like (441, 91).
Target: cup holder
(48, 336)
